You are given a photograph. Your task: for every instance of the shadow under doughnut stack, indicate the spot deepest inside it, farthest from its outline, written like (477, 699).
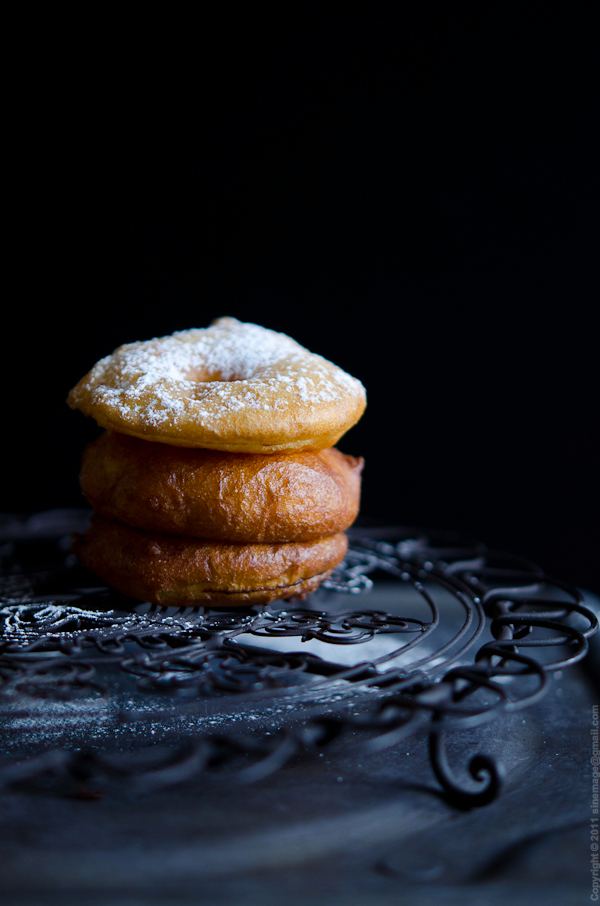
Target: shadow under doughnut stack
(216, 481)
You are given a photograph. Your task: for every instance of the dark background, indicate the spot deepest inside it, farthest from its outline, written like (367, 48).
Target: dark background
(415, 200)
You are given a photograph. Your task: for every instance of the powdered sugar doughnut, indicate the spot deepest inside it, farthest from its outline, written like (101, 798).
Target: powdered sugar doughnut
(231, 386)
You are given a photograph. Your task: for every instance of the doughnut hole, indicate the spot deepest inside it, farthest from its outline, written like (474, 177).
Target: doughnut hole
(202, 375)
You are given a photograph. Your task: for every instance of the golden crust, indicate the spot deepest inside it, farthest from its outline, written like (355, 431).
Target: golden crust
(173, 571)
(217, 496)
(232, 386)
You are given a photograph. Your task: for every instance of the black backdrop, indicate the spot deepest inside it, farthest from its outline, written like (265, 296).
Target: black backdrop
(414, 200)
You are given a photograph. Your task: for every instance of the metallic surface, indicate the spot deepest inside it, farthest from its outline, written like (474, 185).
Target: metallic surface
(429, 744)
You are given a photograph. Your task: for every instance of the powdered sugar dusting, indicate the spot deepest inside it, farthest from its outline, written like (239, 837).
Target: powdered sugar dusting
(204, 375)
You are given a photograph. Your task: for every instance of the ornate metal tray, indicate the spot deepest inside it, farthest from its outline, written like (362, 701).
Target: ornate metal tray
(417, 632)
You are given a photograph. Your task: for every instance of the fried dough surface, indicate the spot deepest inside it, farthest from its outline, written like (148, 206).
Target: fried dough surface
(237, 497)
(174, 571)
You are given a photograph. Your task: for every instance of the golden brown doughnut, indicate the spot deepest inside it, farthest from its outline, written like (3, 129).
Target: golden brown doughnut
(173, 571)
(231, 386)
(238, 497)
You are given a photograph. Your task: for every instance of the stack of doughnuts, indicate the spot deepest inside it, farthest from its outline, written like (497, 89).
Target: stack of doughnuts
(216, 481)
